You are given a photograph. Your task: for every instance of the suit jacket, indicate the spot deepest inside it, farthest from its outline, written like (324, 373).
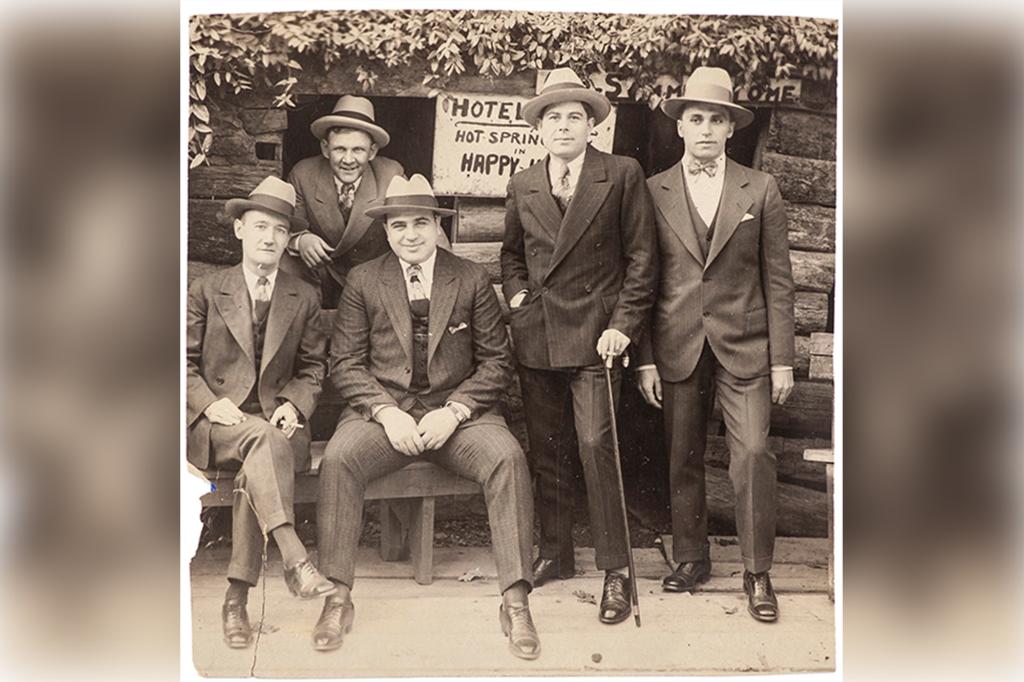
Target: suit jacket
(741, 298)
(593, 269)
(468, 355)
(363, 238)
(220, 355)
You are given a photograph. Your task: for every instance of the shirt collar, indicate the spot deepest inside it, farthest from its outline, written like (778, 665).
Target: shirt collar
(687, 157)
(251, 277)
(575, 166)
(427, 266)
(338, 183)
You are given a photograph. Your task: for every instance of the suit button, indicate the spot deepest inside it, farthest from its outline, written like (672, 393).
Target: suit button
(533, 252)
(220, 380)
(544, 290)
(597, 245)
(407, 370)
(588, 288)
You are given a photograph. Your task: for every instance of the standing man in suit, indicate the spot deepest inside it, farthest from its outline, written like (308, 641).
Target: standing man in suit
(723, 322)
(333, 191)
(579, 268)
(255, 363)
(421, 356)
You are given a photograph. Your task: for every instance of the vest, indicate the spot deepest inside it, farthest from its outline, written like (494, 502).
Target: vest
(704, 233)
(420, 311)
(251, 404)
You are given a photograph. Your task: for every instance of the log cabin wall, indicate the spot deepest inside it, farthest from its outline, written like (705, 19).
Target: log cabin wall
(797, 145)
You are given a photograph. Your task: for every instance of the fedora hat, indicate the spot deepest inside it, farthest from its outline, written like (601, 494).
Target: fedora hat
(708, 85)
(563, 85)
(413, 194)
(352, 112)
(273, 195)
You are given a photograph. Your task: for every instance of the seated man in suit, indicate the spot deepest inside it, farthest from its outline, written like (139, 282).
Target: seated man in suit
(333, 191)
(420, 354)
(255, 364)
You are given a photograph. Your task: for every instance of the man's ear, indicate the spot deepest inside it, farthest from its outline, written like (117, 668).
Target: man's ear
(732, 128)
(325, 148)
(373, 151)
(679, 127)
(238, 228)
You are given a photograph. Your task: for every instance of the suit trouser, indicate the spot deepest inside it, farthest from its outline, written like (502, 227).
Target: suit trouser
(746, 406)
(489, 454)
(264, 488)
(557, 402)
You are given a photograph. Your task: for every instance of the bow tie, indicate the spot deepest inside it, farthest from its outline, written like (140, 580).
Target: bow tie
(707, 167)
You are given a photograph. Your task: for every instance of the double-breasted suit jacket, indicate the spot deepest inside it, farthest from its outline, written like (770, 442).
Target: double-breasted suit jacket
(468, 355)
(591, 269)
(360, 240)
(740, 298)
(220, 356)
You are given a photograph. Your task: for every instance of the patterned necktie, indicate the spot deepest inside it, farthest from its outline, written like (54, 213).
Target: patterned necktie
(561, 190)
(709, 168)
(261, 300)
(346, 195)
(416, 290)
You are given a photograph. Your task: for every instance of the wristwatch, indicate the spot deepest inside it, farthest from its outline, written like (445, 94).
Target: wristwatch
(460, 416)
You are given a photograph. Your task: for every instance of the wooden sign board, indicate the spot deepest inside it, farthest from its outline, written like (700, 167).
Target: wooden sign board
(480, 141)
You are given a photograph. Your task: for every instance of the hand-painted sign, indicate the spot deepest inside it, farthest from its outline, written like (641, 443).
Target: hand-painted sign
(480, 141)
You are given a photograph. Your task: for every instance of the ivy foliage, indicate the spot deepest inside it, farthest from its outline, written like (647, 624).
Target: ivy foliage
(235, 53)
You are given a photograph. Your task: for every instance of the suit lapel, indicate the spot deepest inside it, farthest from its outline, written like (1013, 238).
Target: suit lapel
(284, 303)
(590, 193)
(443, 293)
(358, 223)
(540, 200)
(326, 196)
(671, 201)
(233, 305)
(734, 203)
(396, 301)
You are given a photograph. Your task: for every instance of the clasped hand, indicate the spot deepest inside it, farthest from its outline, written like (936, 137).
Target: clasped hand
(412, 438)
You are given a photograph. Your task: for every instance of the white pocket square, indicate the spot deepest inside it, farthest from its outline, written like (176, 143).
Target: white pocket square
(459, 328)
(746, 216)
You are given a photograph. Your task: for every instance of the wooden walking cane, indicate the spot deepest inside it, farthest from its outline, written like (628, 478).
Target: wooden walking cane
(634, 597)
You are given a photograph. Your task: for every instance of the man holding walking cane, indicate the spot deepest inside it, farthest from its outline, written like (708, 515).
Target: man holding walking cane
(579, 269)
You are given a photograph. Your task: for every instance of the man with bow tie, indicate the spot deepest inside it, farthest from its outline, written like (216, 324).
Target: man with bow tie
(420, 354)
(333, 191)
(579, 268)
(255, 363)
(723, 323)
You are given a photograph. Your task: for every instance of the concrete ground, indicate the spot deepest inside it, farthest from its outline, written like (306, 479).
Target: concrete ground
(451, 627)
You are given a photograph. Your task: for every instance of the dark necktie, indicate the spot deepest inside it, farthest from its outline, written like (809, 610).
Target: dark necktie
(418, 299)
(561, 190)
(346, 195)
(261, 299)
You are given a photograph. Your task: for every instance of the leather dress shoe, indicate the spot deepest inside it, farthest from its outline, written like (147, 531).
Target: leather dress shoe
(305, 582)
(517, 625)
(550, 569)
(335, 622)
(235, 619)
(687, 576)
(615, 606)
(762, 603)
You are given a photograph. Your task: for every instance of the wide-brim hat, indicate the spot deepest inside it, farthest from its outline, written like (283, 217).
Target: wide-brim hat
(414, 194)
(273, 195)
(352, 112)
(563, 85)
(708, 85)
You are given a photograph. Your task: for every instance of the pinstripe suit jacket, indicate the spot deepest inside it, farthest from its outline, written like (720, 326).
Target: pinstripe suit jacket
(468, 355)
(741, 298)
(592, 269)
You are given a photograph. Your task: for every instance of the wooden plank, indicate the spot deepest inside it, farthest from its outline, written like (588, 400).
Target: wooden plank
(811, 312)
(227, 182)
(827, 455)
(821, 343)
(801, 180)
(806, 414)
(813, 271)
(802, 359)
(811, 227)
(820, 368)
(480, 220)
(789, 453)
(802, 133)
(421, 540)
(210, 237)
(486, 254)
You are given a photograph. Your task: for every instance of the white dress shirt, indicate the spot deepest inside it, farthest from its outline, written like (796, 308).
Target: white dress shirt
(250, 283)
(426, 276)
(556, 168)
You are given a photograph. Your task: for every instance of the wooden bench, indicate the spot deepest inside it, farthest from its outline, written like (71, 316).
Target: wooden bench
(407, 500)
